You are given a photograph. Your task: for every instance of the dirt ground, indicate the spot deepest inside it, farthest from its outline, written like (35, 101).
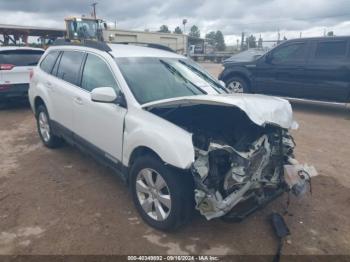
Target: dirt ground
(62, 202)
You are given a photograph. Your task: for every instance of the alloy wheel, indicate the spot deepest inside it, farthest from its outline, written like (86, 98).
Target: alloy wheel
(153, 194)
(235, 87)
(44, 126)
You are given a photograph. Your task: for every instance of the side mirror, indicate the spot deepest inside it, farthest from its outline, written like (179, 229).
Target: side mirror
(103, 94)
(105, 25)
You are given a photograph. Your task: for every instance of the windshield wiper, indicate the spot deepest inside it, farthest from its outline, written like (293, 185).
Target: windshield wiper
(173, 70)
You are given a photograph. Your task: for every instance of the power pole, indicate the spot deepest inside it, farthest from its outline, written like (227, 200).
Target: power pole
(242, 41)
(184, 22)
(94, 9)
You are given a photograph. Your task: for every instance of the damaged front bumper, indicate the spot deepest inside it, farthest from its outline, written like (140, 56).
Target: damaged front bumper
(233, 184)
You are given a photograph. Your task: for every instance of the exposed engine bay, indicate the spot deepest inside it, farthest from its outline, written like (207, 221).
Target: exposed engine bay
(239, 166)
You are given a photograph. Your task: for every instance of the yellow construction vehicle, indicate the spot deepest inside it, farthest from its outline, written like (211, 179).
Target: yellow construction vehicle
(84, 28)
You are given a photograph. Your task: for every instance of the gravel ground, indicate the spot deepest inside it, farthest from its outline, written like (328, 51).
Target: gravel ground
(62, 202)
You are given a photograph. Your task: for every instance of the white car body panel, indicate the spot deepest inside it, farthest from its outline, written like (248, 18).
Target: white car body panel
(101, 124)
(17, 75)
(260, 109)
(170, 142)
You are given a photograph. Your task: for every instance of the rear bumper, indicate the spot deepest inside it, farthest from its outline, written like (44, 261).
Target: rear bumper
(13, 92)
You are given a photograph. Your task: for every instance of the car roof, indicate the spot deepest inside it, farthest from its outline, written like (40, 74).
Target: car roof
(122, 50)
(326, 38)
(6, 48)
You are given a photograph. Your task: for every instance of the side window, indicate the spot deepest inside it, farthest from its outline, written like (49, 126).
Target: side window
(331, 49)
(49, 61)
(97, 74)
(292, 52)
(21, 57)
(69, 66)
(55, 68)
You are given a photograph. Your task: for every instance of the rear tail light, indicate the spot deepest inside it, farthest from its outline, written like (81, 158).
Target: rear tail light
(31, 74)
(6, 66)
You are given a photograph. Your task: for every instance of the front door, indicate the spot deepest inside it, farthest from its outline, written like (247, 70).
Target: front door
(282, 71)
(98, 125)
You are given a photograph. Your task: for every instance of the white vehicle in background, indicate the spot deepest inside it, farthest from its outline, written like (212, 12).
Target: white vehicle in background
(16, 63)
(168, 128)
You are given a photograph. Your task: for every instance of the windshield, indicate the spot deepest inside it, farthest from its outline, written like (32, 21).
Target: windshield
(152, 79)
(85, 29)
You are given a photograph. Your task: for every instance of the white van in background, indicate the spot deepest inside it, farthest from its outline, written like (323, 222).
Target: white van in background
(16, 63)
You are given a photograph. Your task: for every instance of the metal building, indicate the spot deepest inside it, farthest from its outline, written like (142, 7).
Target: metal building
(177, 42)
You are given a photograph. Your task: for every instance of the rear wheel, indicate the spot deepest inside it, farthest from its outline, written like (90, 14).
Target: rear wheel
(237, 85)
(163, 197)
(44, 128)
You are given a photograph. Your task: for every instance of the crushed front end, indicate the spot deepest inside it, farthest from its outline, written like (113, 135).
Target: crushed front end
(243, 158)
(234, 180)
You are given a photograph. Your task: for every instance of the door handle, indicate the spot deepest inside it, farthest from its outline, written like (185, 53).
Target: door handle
(78, 100)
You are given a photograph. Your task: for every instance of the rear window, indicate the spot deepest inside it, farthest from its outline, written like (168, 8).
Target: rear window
(49, 61)
(331, 49)
(20, 57)
(69, 66)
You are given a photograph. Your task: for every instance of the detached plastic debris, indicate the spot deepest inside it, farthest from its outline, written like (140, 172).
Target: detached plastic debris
(297, 176)
(281, 230)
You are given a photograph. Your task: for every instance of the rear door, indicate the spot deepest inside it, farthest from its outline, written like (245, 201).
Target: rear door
(16, 65)
(329, 70)
(63, 87)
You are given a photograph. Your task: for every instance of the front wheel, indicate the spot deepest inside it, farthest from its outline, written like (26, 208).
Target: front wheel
(163, 197)
(237, 85)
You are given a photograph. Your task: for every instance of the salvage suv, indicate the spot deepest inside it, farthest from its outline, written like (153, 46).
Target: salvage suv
(168, 128)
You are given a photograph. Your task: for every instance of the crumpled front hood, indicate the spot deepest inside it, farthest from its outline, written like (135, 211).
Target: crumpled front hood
(260, 109)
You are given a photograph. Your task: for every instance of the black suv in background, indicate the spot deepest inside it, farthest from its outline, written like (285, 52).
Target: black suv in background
(311, 68)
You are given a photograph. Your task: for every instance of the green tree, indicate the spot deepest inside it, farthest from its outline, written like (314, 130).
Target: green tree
(216, 39)
(211, 38)
(194, 32)
(164, 29)
(177, 30)
(220, 41)
(251, 41)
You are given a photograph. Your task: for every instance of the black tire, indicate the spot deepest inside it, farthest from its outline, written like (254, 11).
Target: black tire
(181, 191)
(244, 84)
(53, 141)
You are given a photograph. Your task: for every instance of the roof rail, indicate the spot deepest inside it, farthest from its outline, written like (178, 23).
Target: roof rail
(151, 45)
(88, 43)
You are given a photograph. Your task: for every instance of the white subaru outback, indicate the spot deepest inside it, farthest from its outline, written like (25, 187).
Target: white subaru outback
(169, 129)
